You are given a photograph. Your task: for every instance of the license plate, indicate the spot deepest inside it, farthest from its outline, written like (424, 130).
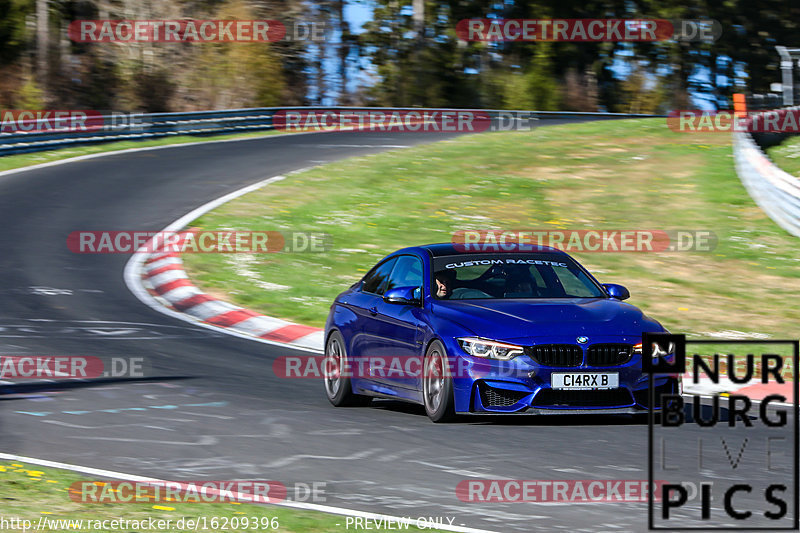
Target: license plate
(584, 380)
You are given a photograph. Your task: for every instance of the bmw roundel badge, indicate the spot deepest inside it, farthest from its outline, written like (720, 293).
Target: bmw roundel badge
(582, 339)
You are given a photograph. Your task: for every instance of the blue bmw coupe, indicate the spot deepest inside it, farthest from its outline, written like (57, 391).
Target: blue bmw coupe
(486, 333)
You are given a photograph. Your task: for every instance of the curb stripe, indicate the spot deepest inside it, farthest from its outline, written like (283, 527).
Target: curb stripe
(759, 391)
(181, 293)
(210, 309)
(161, 289)
(136, 280)
(164, 272)
(190, 302)
(165, 268)
(231, 317)
(162, 262)
(166, 277)
(289, 333)
(160, 256)
(259, 325)
(312, 340)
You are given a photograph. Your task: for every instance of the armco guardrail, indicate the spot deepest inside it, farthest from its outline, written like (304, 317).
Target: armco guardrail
(150, 126)
(146, 126)
(776, 192)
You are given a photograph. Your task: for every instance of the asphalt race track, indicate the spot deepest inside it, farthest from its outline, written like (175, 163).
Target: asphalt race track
(216, 411)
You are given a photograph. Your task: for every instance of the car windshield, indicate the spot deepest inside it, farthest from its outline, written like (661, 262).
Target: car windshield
(506, 276)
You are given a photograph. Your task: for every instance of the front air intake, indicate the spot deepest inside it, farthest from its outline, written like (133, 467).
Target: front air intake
(609, 354)
(556, 354)
(493, 397)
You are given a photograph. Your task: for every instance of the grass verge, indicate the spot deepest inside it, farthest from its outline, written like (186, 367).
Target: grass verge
(41, 496)
(625, 174)
(787, 155)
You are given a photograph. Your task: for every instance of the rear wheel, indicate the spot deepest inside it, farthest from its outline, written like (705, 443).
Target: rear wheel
(437, 385)
(335, 374)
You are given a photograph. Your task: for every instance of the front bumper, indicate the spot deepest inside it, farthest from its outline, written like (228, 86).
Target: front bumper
(537, 411)
(493, 397)
(523, 386)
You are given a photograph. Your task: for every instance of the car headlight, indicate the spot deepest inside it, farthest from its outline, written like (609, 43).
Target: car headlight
(490, 349)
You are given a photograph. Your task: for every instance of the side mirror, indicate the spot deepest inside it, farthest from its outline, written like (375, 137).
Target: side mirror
(616, 291)
(403, 296)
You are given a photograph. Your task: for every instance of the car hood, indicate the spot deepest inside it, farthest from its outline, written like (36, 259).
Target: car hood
(525, 319)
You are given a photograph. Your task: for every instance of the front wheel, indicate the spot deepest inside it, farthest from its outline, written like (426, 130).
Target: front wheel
(437, 384)
(335, 372)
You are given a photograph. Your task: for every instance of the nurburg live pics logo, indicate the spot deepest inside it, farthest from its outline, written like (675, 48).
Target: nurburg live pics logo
(727, 466)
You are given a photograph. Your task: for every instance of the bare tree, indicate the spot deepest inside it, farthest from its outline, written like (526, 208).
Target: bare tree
(344, 52)
(42, 38)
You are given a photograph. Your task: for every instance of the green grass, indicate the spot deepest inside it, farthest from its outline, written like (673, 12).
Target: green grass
(32, 492)
(626, 174)
(787, 155)
(24, 160)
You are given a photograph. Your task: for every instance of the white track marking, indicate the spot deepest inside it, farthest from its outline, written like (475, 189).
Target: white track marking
(148, 149)
(313, 339)
(358, 145)
(110, 474)
(133, 267)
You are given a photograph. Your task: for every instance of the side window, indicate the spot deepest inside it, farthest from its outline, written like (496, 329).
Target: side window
(407, 273)
(374, 281)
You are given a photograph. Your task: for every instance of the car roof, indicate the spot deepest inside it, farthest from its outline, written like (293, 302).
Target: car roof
(442, 249)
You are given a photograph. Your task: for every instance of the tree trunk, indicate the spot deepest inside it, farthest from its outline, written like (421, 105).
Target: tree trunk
(344, 51)
(42, 39)
(419, 18)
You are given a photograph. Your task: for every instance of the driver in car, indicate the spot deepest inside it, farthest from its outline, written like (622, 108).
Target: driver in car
(444, 283)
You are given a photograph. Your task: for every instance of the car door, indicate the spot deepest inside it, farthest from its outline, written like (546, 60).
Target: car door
(398, 328)
(364, 303)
